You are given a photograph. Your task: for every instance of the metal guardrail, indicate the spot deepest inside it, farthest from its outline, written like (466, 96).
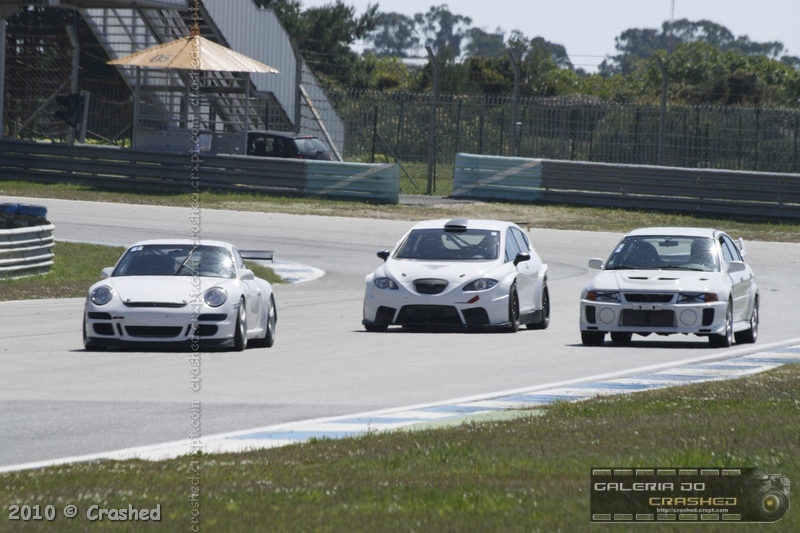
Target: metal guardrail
(705, 191)
(26, 240)
(112, 167)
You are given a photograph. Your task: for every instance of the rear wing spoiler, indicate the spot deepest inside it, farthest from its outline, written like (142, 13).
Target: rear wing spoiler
(257, 255)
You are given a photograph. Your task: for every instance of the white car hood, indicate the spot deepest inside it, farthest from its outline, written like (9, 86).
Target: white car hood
(168, 289)
(453, 272)
(655, 280)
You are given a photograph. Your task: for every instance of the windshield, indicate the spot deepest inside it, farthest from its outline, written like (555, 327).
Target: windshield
(665, 253)
(439, 245)
(176, 260)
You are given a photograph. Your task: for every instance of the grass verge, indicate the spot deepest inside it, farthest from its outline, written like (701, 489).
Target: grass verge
(526, 474)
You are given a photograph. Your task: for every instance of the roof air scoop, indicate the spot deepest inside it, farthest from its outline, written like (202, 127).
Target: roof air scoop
(456, 224)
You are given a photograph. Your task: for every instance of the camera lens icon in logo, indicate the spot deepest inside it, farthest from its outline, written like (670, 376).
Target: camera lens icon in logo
(766, 495)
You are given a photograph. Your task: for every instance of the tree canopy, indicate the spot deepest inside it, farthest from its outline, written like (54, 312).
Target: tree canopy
(704, 61)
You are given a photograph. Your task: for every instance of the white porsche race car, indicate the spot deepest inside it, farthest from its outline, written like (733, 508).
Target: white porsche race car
(668, 281)
(180, 293)
(459, 273)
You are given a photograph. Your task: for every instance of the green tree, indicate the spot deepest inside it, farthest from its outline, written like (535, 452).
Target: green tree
(394, 35)
(442, 29)
(485, 44)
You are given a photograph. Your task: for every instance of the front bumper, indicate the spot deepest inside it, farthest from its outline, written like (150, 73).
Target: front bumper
(663, 319)
(159, 326)
(454, 308)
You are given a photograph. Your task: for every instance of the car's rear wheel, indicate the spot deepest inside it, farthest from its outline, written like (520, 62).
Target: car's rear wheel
(545, 315)
(593, 338)
(621, 336)
(240, 338)
(750, 335)
(726, 339)
(513, 309)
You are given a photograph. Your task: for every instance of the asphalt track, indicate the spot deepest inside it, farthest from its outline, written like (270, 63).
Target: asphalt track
(57, 400)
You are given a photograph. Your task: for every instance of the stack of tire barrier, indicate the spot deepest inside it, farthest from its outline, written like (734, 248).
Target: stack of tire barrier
(26, 240)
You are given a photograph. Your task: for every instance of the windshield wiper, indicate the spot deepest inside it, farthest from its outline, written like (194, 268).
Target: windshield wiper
(183, 264)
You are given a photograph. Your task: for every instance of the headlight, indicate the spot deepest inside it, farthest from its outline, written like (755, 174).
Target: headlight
(102, 295)
(480, 284)
(696, 297)
(385, 283)
(603, 296)
(215, 296)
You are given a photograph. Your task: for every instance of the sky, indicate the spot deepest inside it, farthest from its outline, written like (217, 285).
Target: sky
(587, 28)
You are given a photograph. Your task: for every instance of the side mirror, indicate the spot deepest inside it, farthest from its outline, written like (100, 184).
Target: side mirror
(246, 274)
(384, 254)
(106, 272)
(596, 263)
(736, 266)
(522, 256)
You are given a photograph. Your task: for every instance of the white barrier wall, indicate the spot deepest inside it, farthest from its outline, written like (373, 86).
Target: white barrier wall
(26, 240)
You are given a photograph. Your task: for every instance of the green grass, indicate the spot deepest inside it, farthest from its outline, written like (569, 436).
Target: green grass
(526, 474)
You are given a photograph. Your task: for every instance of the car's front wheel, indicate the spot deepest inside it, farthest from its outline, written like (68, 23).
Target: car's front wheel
(513, 309)
(749, 336)
(240, 335)
(726, 339)
(593, 338)
(374, 328)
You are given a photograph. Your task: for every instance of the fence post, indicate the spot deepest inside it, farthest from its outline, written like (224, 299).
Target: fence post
(517, 76)
(432, 123)
(662, 114)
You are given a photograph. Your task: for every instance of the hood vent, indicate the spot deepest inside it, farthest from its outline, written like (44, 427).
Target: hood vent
(430, 286)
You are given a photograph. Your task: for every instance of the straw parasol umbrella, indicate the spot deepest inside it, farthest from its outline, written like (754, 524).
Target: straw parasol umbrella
(195, 53)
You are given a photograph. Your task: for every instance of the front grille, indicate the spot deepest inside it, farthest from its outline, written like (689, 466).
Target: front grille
(430, 286)
(637, 318)
(591, 314)
(103, 329)
(212, 317)
(476, 316)
(384, 315)
(708, 316)
(648, 297)
(153, 331)
(442, 315)
(207, 330)
(155, 304)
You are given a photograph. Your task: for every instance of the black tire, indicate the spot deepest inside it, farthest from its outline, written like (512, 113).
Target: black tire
(593, 338)
(726, 339)
(269, 335)
(513, 309)
(749, 336)
(545, 316)
(621, 337)
(376, 328)
(240, 335)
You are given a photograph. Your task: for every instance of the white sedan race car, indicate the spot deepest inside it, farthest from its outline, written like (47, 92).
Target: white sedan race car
(665, 281)
(180, 293)
(459, 273)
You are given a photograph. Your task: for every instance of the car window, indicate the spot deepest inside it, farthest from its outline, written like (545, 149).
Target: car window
(512, 247)
(522, 240)
(436, 244)
(729, 250)
(665, 252)
(175, 260)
